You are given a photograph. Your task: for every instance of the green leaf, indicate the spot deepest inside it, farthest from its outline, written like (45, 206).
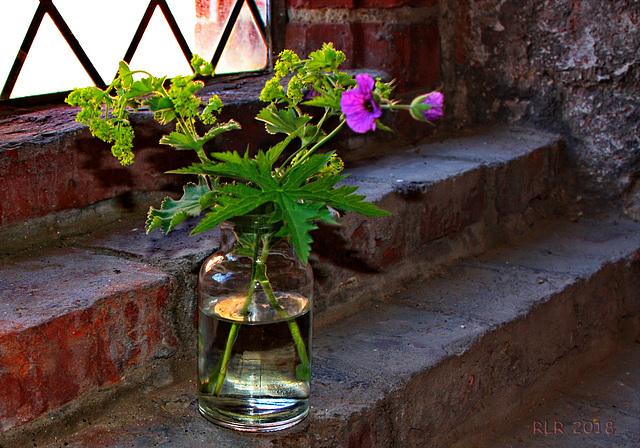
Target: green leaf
(343, 199)
(179, 141)
(236, 167)
(382, 126)
(173, 212)
(139, 88)
(284, 121)
(230, 208)
(231, 125)
(325, 59)
(162, 107)
(299, 173)
(323, 101)
(298, 218)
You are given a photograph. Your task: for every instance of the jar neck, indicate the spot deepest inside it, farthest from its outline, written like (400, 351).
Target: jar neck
(258, 223)
(246, 228)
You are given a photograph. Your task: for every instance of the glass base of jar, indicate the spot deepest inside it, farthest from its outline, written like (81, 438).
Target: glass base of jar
(254, 414)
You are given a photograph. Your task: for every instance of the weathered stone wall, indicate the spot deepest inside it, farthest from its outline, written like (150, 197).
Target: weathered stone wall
(571, 66)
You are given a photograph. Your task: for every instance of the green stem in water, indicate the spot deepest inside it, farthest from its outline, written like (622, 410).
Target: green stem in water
(293, 325)
(233, 332)
(258, 274)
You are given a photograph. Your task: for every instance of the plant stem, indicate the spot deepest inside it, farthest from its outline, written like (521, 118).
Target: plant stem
(235, 327)
(266, 286)
(231, 339)
(259, 275)
(323, 141)
(293, 325)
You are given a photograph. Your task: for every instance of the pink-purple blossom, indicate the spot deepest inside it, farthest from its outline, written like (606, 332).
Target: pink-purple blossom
(428, 107)
(359, 106)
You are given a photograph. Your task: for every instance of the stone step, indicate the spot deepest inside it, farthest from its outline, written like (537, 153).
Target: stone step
(435, 364)
(98, 314)
(601, 409)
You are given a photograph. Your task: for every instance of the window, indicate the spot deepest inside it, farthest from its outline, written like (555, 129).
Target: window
(62, 44)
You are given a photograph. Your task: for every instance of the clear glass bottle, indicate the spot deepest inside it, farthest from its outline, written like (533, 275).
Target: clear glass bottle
(255, 327)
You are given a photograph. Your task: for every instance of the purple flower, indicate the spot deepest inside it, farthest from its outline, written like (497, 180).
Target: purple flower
(428, 107)
(359, 107)
(311, 93)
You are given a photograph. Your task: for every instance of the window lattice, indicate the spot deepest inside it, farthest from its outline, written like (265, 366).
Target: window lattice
(62, 44)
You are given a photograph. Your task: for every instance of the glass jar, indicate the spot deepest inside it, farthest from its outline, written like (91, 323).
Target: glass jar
(254, 329)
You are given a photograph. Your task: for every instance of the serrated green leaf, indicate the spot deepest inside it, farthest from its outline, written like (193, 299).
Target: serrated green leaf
(341, 198)
(236, 167)
(233, 208)
(158, 102)
(281, 121)
(231, 125)
(323, 101)
(298, 218)
(173, 212)
(139, 88)
(299, 173)
(179, 141)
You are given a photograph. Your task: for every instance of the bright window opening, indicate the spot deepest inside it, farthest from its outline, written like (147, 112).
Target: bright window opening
(56, 45)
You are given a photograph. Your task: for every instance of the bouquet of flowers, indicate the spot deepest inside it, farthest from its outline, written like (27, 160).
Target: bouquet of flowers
(291, 186)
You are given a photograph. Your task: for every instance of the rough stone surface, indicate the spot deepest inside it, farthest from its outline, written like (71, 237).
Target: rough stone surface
(436, 363)
(71, 321)
(601, 410)
(50, 163)
(567, 66)
(448, 200)
(444, 208)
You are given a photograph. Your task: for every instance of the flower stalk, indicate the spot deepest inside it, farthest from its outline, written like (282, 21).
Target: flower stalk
(260, 243)
(295, 192)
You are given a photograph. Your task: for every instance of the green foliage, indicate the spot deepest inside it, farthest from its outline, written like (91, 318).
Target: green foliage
(107, 112)
(296, 192)
(173, 212)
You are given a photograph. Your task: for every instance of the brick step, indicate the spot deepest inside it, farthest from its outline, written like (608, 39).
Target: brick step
(98, 314)
(432, 365)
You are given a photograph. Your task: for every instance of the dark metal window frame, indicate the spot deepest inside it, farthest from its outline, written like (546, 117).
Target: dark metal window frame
(47, 7)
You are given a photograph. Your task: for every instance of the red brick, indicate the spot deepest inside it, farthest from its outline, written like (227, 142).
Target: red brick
(317, 4)
(410, 53)
(74, 170)
(395, 3)
(306, 38)
(353, 4)
(73, 321)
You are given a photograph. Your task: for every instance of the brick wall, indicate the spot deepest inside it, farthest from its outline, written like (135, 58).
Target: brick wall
(400, 37)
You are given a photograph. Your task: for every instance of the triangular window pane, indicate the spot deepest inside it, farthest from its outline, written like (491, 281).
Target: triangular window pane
(104, 42)
(185, 15)
(17, 16)
(246, 50)
(50, 66)
(159, 52)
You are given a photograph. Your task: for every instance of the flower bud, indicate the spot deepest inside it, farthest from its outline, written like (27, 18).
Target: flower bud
(427, 107)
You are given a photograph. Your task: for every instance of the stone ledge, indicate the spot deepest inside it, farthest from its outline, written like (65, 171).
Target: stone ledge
(435, 362)
(446, 207)
(72, 321)
(50, 163)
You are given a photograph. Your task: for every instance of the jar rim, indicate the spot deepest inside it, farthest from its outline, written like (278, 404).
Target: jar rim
(254, 222)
